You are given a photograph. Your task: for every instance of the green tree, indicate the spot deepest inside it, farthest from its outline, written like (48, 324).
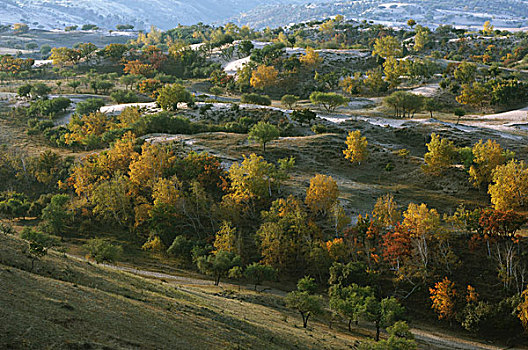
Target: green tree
(263, 133)
(383, 313)
(171, 95)
(257, 273)
(103, 251)
(387, 46)
(289, 101)
(88, 106)
(39, 243)
(218, 265)
(56, 215)
(329, 100)
(304, 301)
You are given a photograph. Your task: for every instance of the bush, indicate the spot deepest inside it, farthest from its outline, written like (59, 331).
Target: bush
(319, 129)
(256, 99)
(181, 248)
(121, 96)
(91, 105)
(165, 123)
(101, 250)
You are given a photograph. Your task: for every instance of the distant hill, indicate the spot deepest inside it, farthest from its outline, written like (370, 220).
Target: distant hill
(165, 14)
(471, 13)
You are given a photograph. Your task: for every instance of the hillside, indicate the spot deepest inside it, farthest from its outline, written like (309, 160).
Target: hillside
(106, 14)
(504, 14)
(92, 307)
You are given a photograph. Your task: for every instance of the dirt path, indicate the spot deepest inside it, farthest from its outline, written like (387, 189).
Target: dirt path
(426, 339)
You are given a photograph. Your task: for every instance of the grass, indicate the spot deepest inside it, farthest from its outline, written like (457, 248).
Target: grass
(67, 303)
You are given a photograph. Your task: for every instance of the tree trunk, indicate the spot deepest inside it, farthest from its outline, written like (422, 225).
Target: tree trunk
(349, 323)
(377, 331)
(217, 280)
(305, 320)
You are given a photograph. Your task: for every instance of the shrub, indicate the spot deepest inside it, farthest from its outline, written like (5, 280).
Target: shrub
(256, 99)
(91, 105)
(121, 96)
(101, 250)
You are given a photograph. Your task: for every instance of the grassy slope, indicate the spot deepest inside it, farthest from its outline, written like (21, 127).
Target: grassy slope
(71, 304)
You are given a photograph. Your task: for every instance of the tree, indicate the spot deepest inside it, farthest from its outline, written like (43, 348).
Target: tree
(304, 301)
(522, 309)
(509, 187)
(488, 28)
(440, 155)
(356, 150)
(349, 301)
(383, 313)
(387, 46)
(171, 95)
(257, 273)
(20, 28)
(24, 90)
(216, 91)
(421, 39)
(466, 72)
(431, 104)
(40, 90)
(217, 265)
(39, 243)
(264, 132)
(459, 112)
(289, 101)
(310, 58)
(88, 106)
(264, 77)
(393, 69)
(411, 22)
(56, 215)
(304, 116)
(329, 100)
(74, 84)
(486, 157)
(443, 296)
(225, 239)
(322, 194)
(103, 251)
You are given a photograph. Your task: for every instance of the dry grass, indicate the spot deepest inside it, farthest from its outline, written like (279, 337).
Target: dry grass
(70, 304)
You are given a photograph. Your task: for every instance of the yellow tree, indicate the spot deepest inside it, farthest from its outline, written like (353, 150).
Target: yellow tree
(251, 179)
(509, 188)
(488, 28)
(264, 77)
(322, 194)
(387, 46)
(486, 156)
(167, 191)
(153, 162)
(225, 238)
(310, 58)
(393, 70)
(422, 225)
(440, 156)
(386, 211)
(443, 296)
(356, 150)
(523, 309)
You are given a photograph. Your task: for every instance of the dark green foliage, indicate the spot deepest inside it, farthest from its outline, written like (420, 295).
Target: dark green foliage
(91, 105)
(218, 265)
(256, 99)
(102, 250)
(120, 96)
(257, 273)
